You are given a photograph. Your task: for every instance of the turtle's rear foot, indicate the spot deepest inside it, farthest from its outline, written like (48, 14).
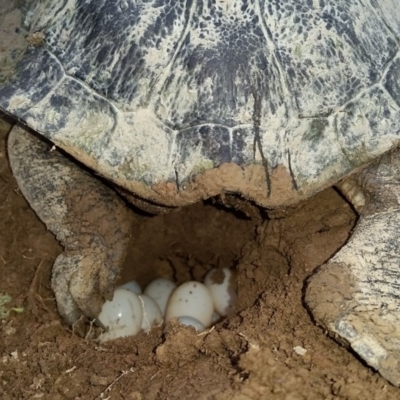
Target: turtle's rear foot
(356, 296)
(87, 217)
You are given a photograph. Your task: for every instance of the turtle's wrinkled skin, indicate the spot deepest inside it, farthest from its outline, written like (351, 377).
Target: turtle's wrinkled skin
(177, 101)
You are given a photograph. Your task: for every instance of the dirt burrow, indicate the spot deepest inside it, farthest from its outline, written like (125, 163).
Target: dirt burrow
(270, 348)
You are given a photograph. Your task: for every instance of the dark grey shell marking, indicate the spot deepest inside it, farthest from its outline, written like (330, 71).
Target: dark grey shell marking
(156, 91)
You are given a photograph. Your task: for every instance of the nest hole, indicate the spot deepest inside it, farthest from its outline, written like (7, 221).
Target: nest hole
(185, 244)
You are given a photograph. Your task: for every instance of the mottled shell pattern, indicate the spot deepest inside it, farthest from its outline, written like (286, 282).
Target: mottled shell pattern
(177, 100)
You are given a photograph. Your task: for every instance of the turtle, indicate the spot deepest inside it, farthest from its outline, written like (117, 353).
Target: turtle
(166, 103)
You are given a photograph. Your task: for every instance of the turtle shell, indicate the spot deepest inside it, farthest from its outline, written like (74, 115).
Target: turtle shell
(180, 100)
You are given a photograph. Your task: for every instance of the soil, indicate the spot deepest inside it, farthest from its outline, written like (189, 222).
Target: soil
(269, 349)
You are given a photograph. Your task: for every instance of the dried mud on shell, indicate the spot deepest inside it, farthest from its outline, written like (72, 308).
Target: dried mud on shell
(255, 354)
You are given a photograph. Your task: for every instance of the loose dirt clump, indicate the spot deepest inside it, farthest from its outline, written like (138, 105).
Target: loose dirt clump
(269, 349)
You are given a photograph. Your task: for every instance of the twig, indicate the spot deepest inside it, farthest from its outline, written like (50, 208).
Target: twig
(90, 329)
(252, 345)
(108, 388)
(33, 296)
(68, 371)
(75, 323)
(154, 375)
(207, 331)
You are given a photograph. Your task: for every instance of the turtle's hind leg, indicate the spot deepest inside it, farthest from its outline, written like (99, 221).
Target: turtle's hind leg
(89, 219)
(356, 295)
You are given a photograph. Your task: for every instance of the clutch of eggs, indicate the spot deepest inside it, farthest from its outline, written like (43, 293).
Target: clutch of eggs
(193, 303)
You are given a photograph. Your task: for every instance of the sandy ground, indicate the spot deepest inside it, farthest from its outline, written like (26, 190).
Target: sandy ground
(250, 355)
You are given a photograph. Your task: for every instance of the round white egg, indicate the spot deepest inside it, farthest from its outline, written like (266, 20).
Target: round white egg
(133, 286)
(122, 315)
(221, 284)
(151, 313)
(189, 321)
(191, 299)
(160, 290)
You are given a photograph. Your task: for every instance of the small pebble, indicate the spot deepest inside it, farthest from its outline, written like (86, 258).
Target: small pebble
(301, 351)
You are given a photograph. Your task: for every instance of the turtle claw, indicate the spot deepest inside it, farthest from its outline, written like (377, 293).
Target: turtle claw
(78, 296)
(67, 306)
(87, 270)
(356, 296)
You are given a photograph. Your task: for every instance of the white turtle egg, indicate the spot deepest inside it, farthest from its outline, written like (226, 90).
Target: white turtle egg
(160, 290)
(189, 321)
(221, 284)
(191, 299)
(122, 315)
(151, 313)
(133, 286)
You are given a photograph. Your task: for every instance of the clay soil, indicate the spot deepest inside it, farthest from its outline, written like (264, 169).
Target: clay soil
(269, 349)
